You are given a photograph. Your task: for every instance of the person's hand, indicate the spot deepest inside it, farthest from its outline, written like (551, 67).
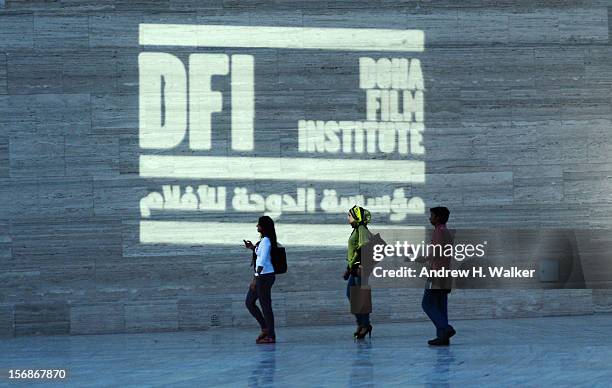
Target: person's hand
(248, 244)
(253, 285)
(346, 275)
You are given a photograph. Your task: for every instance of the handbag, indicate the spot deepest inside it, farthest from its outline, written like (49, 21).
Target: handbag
(361, 299)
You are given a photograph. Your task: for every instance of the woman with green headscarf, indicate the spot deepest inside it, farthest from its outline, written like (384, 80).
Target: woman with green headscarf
(358, 217)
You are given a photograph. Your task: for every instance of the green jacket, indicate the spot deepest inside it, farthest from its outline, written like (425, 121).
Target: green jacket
(358, 238)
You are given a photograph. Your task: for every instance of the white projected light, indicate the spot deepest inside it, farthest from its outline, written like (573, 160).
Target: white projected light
(176, 106)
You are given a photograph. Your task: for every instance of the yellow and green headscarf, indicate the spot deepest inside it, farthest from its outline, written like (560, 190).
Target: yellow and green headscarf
(361, 215)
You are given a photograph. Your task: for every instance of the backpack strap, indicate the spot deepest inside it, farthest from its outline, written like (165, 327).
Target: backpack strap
(254, 258)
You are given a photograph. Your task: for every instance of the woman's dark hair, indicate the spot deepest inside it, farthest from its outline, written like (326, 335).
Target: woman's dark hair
(267, 226)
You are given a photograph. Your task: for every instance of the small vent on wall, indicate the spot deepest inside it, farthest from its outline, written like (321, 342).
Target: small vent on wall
(214, 320)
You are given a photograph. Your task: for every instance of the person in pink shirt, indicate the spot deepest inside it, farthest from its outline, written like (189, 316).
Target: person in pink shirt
(435, 297)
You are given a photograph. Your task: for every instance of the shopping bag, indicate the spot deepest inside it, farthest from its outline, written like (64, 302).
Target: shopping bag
(361, 299)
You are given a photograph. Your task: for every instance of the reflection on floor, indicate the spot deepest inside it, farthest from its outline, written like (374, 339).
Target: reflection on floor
(534, 352)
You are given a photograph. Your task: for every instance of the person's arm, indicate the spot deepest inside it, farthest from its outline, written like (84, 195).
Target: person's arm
(264, 251)
(354, 259)
(364, 236)
(436, 238)
(362, 239)
(421, 259)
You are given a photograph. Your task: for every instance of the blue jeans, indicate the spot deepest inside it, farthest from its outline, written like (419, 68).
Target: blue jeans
(435, 305)
(362, 319)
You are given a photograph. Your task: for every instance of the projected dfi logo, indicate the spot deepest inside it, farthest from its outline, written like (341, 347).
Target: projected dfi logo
(166, 102)
(173, 99)
(177, 101)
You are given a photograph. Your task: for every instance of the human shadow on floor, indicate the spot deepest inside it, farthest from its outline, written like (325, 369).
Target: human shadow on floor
(264, 370)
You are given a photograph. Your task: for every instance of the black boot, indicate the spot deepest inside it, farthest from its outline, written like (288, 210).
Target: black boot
(439, 342)
(450, 331)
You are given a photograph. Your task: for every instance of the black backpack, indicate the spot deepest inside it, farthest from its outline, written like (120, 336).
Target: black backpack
(279, 259)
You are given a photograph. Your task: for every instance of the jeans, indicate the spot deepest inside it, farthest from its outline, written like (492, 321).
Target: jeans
(263, 292)
(362, 319)
(435, 305)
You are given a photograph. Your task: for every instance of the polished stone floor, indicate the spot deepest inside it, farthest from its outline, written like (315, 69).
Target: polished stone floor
(555, 351)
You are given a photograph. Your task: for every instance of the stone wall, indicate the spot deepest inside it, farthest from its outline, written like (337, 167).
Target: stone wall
(518, 134)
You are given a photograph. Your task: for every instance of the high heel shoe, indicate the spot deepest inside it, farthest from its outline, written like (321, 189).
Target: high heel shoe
(262, 335)
(266, 340)
(363, 331)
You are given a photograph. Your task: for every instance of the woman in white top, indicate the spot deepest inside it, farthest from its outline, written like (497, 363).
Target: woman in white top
(263, 279)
